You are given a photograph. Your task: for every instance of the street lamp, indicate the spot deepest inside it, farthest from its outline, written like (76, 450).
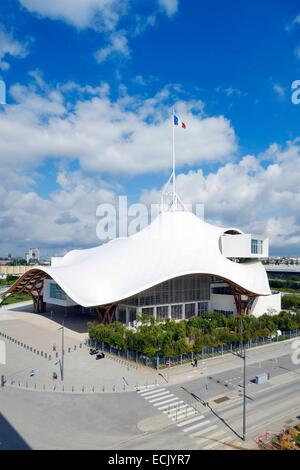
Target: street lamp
(62, 349)
(205, 383)
(243, 356)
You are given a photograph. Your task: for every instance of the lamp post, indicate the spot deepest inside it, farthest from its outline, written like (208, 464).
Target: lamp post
(243, 356)
(62, 349)
(205, 383)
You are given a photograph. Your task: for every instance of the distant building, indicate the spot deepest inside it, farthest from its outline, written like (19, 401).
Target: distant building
(33, 256)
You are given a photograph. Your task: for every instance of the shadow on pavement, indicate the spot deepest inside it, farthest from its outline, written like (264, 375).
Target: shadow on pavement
(10, 439)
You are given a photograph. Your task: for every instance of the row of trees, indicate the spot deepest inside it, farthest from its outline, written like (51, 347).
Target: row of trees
(173, 338)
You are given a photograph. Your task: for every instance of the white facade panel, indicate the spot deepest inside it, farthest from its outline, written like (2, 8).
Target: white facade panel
(67, 302)
(271, 304)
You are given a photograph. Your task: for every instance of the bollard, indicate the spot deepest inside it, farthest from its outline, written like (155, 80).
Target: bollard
(103, 388)
(63, 388)
(72, 388)
(93, 389)
(114, 388)
(35, 386)
(82, 388)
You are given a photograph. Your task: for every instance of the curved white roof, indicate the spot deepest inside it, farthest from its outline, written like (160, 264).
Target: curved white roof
(175, 244)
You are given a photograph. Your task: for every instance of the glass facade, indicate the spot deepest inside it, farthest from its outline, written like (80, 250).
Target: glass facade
(177, 312)
(202, 308)
(148, 311)
(122, 315)
(256, 247)
(56, 292)
(162, 312)
(182, 289)
(190, 310)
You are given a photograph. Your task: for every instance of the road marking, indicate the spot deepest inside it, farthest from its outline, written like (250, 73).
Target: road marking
(211, 428)
(195, 426)
(183, 415)
(190, 421)
(167, 406)
(142, 388)
(162, 398)
(165, 401)
(144, 394)
(154, 395)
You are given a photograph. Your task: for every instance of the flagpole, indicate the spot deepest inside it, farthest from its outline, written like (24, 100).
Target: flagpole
(174, 164)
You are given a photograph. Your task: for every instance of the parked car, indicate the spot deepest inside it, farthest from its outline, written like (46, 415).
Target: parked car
(100, 355)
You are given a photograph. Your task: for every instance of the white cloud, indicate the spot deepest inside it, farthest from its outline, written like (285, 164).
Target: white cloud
(127, 135)
(297, 52)
(9, 46)
(259, 198)
(170, 6)
(118, 44)
(98, 14)
(71, 220)
(104, 16)
(279, 90)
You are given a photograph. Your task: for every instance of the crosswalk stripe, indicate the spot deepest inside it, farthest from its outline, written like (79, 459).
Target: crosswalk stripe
(165, 401)
(169, 395)
(181, 414)
(190, 421)
(167, 406)
(144, 394)
(174, 410)
(211, 428)
(149, 397)
(143, 388)
(195, 426)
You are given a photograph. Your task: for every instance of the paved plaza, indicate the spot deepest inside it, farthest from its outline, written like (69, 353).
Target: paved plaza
(82, 372)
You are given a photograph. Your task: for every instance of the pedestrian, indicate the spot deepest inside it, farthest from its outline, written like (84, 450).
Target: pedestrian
(193, 363)
(196, 362)
(54, 347)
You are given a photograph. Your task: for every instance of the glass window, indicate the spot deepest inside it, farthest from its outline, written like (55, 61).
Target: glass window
(202, 308)
(162, 312)
(122, 315)
(132, 315)
(56, 292)
(176, 312)
(148, 311)
(256, 247)
(190, 310)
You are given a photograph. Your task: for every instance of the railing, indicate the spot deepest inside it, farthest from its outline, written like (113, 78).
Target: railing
(158, 362)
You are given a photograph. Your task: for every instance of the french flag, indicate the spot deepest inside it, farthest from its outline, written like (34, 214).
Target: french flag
(179, 123)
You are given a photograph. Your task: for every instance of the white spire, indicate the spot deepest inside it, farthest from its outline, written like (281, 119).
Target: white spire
(175, 202)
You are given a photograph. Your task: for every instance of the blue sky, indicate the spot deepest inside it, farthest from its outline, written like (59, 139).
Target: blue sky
(90, 88)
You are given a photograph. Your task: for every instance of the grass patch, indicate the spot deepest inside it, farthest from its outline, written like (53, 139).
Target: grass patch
(15, 298)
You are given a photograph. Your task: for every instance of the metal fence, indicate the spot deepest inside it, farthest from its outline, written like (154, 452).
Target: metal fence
(158, 362)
